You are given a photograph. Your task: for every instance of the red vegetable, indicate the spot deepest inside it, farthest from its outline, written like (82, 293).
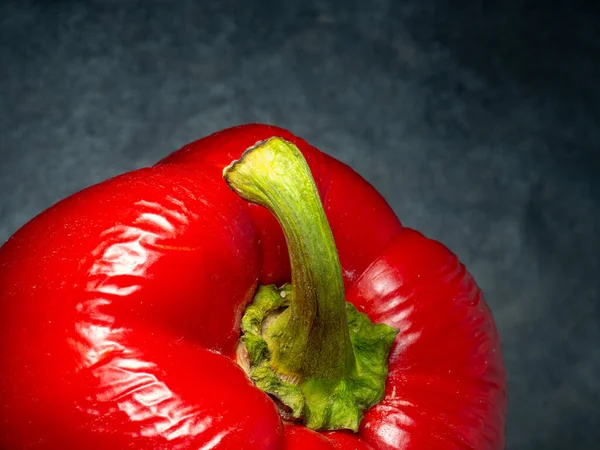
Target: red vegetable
(121, 310)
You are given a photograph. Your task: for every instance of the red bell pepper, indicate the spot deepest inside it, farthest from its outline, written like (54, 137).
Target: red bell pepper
(122, 310)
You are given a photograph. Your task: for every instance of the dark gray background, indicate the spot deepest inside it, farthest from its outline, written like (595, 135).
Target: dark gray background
(479, 124)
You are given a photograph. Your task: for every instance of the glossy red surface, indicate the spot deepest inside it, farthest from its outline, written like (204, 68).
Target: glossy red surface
(120, 310)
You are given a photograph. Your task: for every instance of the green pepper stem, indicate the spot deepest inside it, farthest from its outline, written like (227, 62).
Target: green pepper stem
(310, 339)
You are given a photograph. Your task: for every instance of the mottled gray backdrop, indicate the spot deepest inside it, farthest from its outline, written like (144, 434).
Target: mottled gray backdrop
(479, 124)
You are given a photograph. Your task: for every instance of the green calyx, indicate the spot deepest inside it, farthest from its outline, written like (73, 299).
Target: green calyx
(322, 404)
(303, 343)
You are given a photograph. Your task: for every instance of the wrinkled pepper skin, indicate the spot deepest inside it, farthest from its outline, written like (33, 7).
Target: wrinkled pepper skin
(120, 312)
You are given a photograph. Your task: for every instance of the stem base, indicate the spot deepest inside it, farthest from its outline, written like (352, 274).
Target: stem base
(321, 403)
